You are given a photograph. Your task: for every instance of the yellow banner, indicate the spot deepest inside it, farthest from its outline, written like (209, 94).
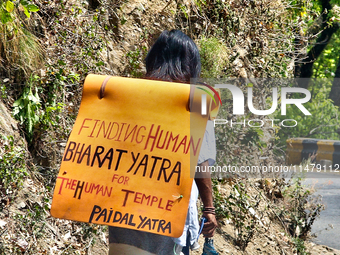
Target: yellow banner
(127, 160)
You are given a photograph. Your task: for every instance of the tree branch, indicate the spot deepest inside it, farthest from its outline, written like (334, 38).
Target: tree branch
(305, 69)
(335, 90)
(316, 50)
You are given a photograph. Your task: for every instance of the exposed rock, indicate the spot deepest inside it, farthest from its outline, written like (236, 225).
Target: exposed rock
(8, 126)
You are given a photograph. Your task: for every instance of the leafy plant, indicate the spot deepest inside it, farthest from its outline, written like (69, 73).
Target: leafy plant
(12, 168)
(37, 108)
(242, 213)
(135, 60)
(302, 210)
(220, 202)
(322, 123)
(19, 48)
(300, 246)
(27, 109)
(325, 65)
(214, 57)
(8, 8)
(240, 208)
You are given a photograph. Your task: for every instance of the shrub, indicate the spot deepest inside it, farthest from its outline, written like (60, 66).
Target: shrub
(12, 169)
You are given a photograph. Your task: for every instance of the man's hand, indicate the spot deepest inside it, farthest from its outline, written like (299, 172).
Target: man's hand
(209, 226)
(204, 185)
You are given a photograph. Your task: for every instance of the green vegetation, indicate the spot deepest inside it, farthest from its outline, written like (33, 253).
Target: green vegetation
(323, 123)
(249, 205)
(135, 60)
(27, 109)
(19, 48)
(12, 169)
(242, 213)
(47, 48)
(300, 211)
(214, 58)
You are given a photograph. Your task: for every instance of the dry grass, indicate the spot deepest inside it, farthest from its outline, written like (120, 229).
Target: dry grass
(19, 48)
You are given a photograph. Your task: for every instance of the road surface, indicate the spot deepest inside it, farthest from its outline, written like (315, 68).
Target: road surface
(327, 227)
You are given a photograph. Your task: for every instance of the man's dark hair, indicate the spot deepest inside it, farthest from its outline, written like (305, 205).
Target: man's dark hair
(173, 57)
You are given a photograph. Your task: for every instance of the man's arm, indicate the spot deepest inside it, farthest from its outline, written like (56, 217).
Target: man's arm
(203, 181)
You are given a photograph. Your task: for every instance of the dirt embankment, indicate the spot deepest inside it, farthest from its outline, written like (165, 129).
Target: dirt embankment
(26, 226)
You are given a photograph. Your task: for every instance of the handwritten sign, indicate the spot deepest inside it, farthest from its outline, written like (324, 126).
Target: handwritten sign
(128, 159)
